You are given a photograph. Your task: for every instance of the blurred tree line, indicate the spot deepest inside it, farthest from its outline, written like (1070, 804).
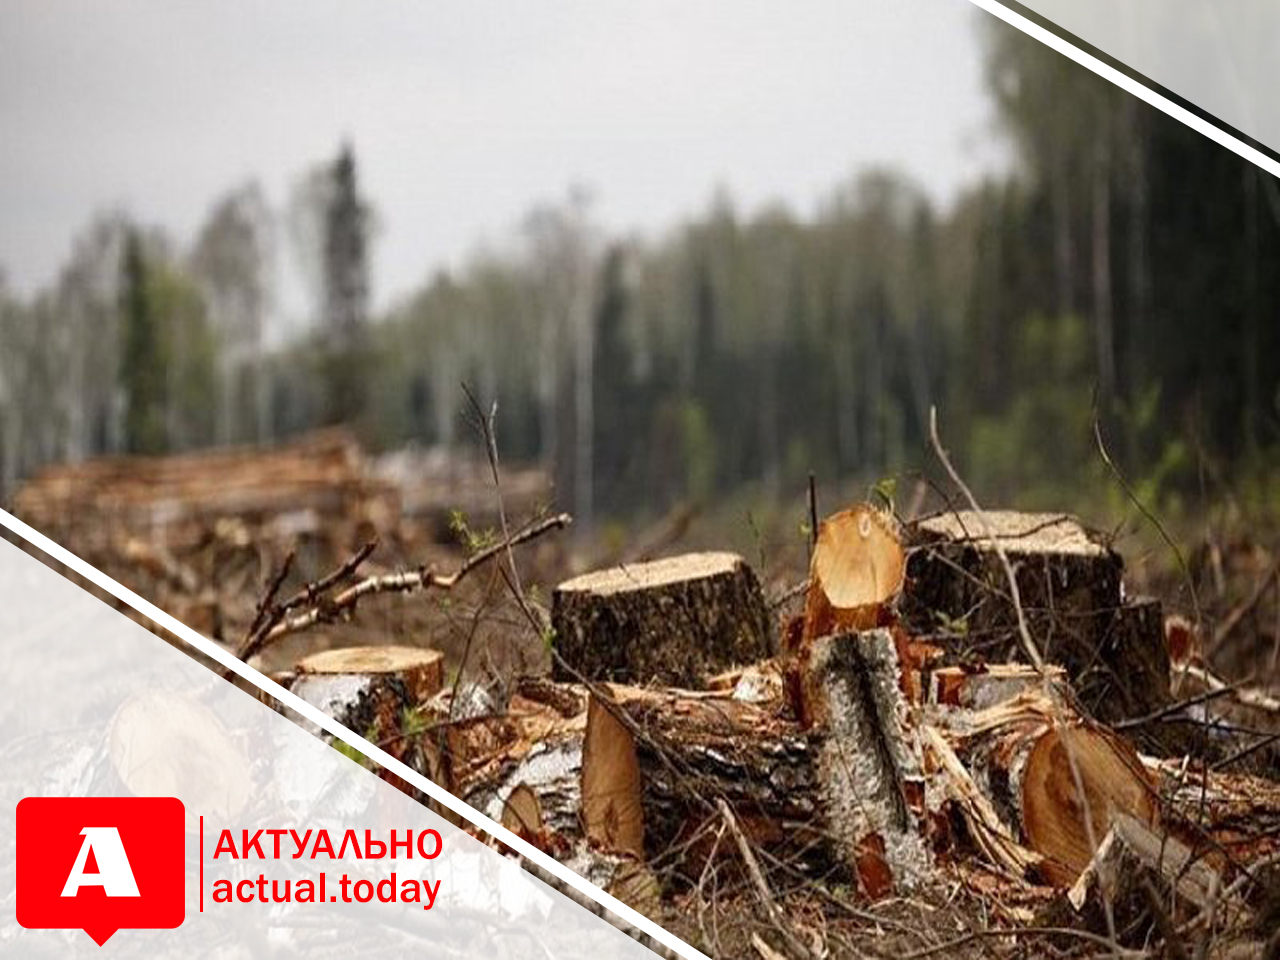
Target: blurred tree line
(1123, 269)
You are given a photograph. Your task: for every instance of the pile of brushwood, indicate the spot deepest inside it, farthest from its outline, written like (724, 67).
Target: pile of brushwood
(967, 739)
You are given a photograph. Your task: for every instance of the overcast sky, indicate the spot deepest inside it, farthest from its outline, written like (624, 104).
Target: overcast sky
(465, 114)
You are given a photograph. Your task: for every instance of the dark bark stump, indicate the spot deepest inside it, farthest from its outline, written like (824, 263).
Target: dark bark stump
(676, 621)
(957, 594)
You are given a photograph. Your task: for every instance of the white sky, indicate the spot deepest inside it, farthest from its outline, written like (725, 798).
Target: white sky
(465, 114)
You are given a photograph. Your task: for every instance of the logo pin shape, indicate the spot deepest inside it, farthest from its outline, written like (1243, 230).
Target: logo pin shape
(101, 864)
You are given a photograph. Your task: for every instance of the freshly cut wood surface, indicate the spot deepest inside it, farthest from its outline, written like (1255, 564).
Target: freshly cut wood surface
(420, 669)
(611, 803)
(676, 621)
(1056, 778)
(858, 567)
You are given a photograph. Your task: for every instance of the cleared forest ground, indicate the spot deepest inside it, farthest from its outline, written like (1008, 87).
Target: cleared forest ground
(942, 733)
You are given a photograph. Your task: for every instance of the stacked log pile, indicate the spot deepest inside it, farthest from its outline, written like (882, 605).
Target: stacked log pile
(894, 734)
(198, 533)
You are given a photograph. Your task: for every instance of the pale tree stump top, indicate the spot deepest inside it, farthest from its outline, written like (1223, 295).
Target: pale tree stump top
(654, 573)
(1037, 533)
(369, 660)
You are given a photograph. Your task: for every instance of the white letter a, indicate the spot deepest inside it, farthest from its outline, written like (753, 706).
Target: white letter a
(114, 875)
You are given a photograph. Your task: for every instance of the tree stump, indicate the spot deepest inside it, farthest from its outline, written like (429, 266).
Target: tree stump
(1128, 674)
(857, 568)
(957, 593)
(349, 682)
(867, 758)
(377, 692)
(676, 621)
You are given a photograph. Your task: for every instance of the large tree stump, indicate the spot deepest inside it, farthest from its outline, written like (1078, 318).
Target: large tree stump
(1069, 582)
(676, 621)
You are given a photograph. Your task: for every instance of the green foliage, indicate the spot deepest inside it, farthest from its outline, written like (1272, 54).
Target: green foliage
(142, 367)
(413, 722)
(351, 753)
(471, 540)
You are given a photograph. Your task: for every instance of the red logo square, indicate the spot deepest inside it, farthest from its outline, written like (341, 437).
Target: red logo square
(101, 864)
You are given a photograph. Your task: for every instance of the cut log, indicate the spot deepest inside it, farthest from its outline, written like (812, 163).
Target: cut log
(867, 759)
(676, 621)
(1133, 852)
(611, 803)
(1069, 582)
(762, 682)
(692, 747)
(529, 760)
(1055, 778)
(857, 568)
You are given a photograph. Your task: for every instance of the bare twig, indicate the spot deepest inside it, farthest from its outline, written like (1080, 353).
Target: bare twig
(1024, 633)
(271, 614)
(796, 948)
(1177, 707)
(269, 597)
(404, 581)
(1246, 752)
(1230, 891)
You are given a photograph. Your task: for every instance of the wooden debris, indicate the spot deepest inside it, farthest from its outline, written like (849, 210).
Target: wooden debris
(1131, 853)
(762, 682)
(867, 758)
(950, 784)
(983, 685)
(530, 759)
(694, 746)
(318, 484)
(1054, 777)
(676, 621)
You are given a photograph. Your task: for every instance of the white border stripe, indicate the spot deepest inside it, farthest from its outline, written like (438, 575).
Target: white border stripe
(1124, 82)
(357, 742)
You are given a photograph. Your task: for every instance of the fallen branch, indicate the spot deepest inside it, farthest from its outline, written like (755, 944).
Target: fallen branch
(796, 948)
(327, 609)
(1232, 619)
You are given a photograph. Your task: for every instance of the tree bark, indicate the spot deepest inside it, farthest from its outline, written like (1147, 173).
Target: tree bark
(676, 621)
(957, 595)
